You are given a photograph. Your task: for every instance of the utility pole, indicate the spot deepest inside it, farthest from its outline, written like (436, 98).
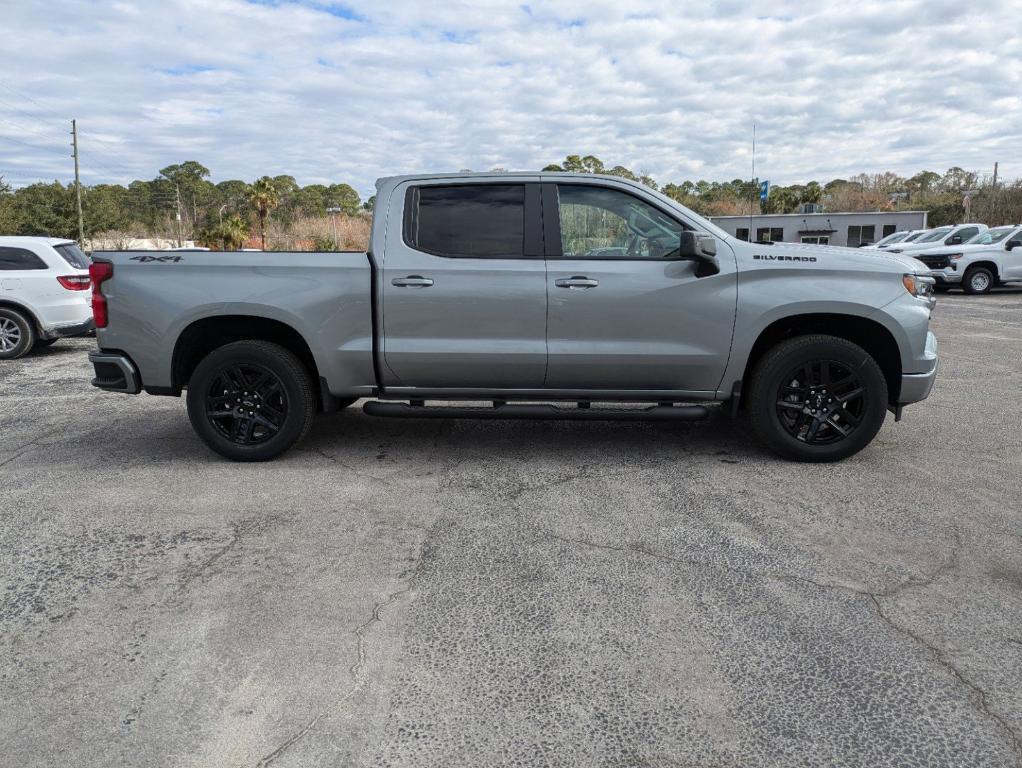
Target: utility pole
(995, 175)
(78, 184)
(177, 196)
(752, 203)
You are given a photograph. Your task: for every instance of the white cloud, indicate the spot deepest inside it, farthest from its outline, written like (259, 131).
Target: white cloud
(351, 91)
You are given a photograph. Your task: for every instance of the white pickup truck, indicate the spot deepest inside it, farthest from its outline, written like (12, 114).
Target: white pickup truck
(989, 259)
(950, 235)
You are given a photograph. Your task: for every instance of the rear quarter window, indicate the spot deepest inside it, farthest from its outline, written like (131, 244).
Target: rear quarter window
(12, 259)
(73, 255)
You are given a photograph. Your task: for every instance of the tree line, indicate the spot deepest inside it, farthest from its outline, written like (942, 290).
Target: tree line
(948, 198)
(181, 203)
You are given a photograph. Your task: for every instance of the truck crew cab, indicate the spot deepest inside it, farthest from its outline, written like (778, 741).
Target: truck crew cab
(546, 295)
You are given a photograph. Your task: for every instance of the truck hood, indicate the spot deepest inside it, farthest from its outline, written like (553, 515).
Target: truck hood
(942, 249)
(878, 259)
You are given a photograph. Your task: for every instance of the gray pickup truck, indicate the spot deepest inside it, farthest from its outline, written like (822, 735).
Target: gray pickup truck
(525, 295)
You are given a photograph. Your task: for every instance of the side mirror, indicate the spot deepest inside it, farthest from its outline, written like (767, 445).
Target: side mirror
(701, 249)
(1011, 244)
(954, 240)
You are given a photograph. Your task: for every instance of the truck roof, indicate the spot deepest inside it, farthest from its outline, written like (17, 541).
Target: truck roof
(510, 175)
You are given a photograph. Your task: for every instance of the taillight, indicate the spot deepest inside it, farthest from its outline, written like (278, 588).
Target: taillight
(75, 282)
(99, 273)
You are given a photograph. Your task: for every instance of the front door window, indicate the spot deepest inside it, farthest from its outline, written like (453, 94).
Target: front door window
(601, 223)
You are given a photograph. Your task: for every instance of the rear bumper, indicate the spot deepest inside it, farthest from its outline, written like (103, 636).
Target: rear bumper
(72, 329)
(917, 386)
(115, 372)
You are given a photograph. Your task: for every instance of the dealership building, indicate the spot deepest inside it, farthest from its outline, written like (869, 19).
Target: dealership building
(850, 229)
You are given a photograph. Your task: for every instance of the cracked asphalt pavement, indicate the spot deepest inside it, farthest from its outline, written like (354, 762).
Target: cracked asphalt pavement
(457, 593)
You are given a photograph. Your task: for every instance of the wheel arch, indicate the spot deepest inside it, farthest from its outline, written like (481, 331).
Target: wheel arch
(872, 335)
(991, 265)
(206, 334)
(25, 310)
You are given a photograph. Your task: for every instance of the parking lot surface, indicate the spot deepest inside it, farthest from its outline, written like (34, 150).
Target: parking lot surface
(456, 593)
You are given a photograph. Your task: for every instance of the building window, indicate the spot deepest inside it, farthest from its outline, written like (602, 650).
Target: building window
(816, 239)
(742, 233)
(861, 235)
(890, 229)
(770, 234)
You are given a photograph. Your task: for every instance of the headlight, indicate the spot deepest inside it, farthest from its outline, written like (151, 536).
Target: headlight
(955, 255)
(918, 285)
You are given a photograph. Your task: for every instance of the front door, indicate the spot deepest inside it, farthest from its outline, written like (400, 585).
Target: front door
(624, 313)
(464, 288)
(1012, 259)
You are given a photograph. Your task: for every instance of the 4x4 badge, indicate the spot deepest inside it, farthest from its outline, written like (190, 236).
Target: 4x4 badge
(147, 258)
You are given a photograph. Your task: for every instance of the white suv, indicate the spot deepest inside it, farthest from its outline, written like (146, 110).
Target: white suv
(44, 293)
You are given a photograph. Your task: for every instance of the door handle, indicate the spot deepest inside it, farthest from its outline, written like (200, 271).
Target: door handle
(578, 281)
(412, 281)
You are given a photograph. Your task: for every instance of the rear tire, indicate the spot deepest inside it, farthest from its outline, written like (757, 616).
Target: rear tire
(251, 400)
(817, 398)
(978, 280)
(17, 336)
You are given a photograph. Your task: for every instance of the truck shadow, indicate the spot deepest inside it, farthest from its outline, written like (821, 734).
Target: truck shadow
(352, 435)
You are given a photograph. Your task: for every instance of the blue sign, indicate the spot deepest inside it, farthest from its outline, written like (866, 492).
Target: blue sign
(764, 191)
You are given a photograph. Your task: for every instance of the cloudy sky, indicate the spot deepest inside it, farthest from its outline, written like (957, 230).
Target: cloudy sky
(349, 92)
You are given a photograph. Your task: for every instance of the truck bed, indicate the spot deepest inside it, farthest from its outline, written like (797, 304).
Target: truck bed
(156, 296)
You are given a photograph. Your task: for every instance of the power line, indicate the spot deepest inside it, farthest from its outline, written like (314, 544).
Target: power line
(110, 167)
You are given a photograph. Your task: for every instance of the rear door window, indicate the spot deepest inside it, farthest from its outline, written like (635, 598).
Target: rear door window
(16, 259)
(467, 221)
(73, 255)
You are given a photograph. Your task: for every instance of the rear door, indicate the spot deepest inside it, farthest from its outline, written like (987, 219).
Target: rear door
(464, 287)
(25, 277)
(624, 313)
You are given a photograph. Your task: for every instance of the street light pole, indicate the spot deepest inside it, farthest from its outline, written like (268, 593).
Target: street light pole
(333, 211)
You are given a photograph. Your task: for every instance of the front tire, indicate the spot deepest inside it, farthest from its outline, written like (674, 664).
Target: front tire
(17, 336)
(817, 398)
(251, 400)
(978, 280)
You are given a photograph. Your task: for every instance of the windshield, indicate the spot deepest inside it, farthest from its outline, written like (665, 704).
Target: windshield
(995, 235)
(914, 236)
(897, 237)
(936, 234)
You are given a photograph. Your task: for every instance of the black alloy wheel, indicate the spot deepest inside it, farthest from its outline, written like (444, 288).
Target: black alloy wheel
(251, 400)
(820, 402)
(817, 398)
(246, 403)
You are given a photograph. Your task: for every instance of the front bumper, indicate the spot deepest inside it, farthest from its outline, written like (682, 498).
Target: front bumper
(115, 372)
(945, 277)
(917, 386)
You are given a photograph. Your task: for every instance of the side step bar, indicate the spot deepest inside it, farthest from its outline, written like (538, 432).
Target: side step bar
(537, 411)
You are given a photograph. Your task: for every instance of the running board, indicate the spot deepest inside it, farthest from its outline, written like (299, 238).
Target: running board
(537, 411)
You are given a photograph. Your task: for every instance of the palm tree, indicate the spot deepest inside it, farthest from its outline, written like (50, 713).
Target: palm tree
(233, 232)
(263, 197)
